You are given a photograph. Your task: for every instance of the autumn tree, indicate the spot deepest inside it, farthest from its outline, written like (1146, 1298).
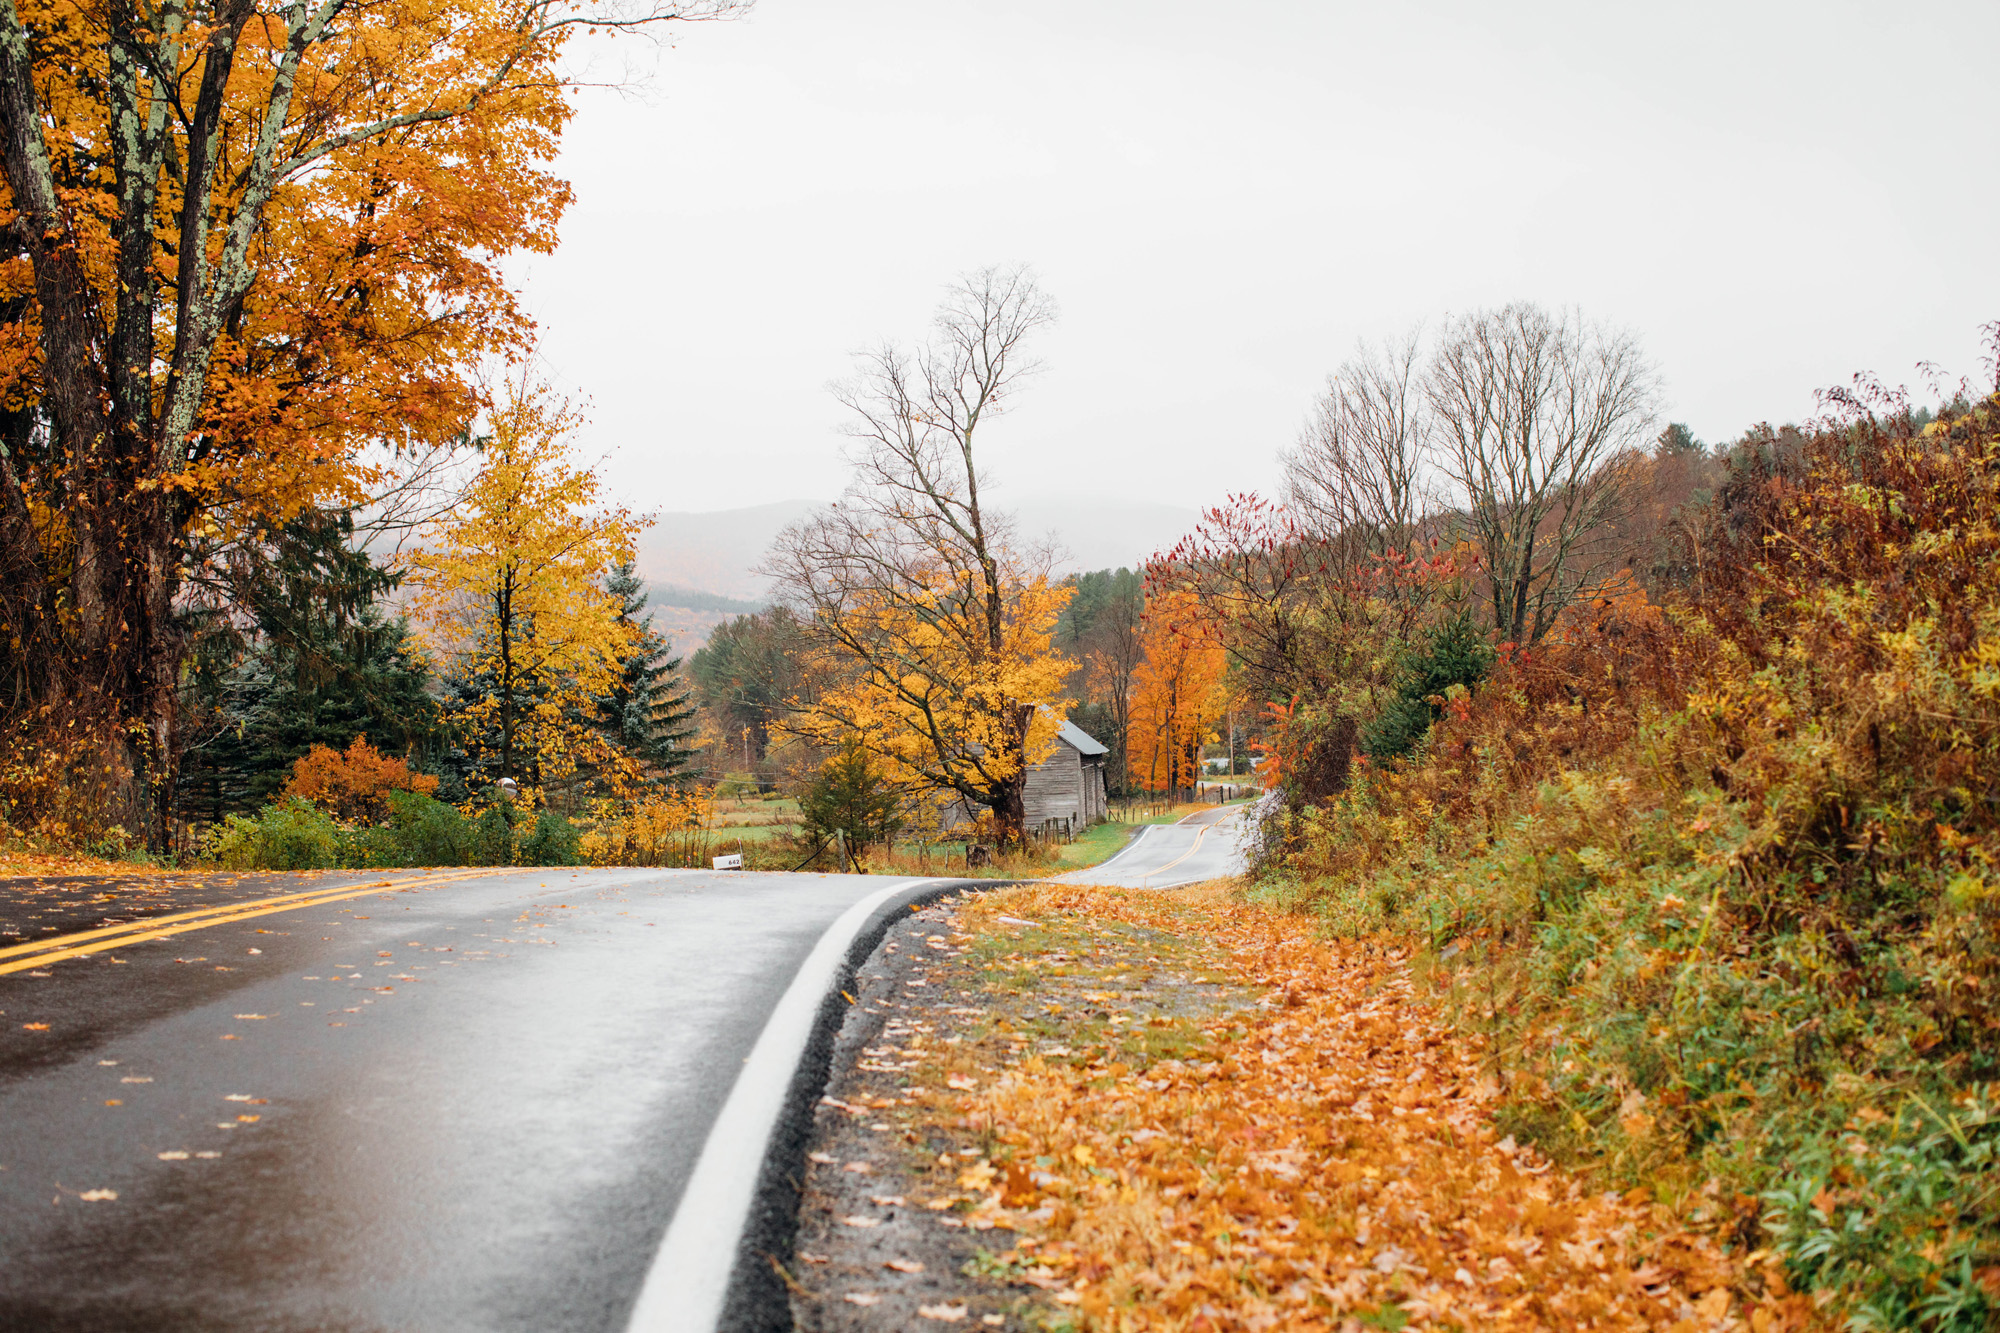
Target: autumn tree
(511, 591)
(933, 626)
(1538, 420)
(240, 240)
(1178, 694)
(1361, 476)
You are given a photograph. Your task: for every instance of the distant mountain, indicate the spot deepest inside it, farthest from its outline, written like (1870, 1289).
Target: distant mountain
(715, 552)
(702, 564)
(672, 594)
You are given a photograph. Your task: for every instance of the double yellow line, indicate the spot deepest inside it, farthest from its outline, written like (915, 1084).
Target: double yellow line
(19, 957)
(1193, 847)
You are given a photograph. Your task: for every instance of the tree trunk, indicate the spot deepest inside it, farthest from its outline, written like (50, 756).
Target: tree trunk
(1010, 811)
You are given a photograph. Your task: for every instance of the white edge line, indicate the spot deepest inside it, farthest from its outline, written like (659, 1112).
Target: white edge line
(688, 1282)
(1126, 850)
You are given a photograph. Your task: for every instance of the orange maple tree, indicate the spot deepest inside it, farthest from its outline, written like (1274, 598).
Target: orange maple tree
(1177, 693)
(240, 242)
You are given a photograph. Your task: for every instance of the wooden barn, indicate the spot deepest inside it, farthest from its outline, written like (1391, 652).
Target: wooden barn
(1066, 791)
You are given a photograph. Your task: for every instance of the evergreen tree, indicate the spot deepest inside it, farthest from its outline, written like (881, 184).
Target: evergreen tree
(312, 659)
(1454, 653)
(647, 713)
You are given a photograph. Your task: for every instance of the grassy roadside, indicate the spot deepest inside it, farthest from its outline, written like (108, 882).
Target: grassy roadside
(1178, 1111)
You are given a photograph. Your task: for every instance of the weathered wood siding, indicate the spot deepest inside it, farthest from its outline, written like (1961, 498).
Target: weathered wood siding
(1056, 790)
(1096, 799)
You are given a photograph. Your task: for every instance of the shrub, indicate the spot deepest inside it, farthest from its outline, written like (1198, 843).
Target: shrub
(355, 785)
(422, 831)
(554, 841)
(286, 835)
(674, 827)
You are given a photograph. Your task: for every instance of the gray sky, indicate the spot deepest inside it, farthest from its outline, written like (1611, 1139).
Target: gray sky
(1222, 198)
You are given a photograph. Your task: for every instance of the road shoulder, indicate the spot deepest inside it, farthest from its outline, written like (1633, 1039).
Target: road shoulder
(1063, 1107)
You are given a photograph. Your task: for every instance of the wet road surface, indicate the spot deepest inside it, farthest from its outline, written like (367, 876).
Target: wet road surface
(1207, 844)
(464, 1102)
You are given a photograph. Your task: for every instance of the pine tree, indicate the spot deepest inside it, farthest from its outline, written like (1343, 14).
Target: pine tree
(648, 712)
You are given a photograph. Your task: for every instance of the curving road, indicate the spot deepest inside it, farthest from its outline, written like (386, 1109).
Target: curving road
(465, 1100)
(1208, 844)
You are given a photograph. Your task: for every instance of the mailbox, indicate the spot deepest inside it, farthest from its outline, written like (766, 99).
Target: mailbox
(733, 861)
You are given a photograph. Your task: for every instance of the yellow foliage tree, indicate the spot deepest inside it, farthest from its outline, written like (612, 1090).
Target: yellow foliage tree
(1177, 693)
(916, 675)
(933, 630)
(511, 590)
(244, 240)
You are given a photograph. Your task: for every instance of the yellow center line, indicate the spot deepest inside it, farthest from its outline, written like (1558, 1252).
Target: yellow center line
(179, 923)
(144, 924)
(1193, 847)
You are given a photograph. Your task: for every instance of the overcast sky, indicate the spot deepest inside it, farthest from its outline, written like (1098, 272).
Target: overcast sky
(1222, 198)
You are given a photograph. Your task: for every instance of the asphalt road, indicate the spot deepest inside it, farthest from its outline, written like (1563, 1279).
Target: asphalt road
(472, 1102)
(1207, 844)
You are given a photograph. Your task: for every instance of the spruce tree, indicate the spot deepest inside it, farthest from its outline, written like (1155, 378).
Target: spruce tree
(309, 659)
(648, 713)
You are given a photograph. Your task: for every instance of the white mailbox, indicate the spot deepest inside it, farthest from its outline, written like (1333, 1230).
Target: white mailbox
(733, 861)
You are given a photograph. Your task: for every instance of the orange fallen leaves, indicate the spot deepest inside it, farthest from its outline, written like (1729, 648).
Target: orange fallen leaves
(1330, 1163)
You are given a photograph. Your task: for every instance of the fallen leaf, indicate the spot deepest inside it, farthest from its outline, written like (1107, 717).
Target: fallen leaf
(249, 1119)
(137, 1078)
(861, 1298)
(1825, 1202)
(886, 1200)
(824, 1159)
(98, 1196)
(948, 1314)
(208, 1154)
(36, 1027)
(905, 1265)
(809, 1257)
(859, 1168)
(172, 1156)
(859, 1221)
(253, 1015)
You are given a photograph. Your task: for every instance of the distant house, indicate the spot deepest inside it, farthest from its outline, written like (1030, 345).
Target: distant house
(1067, 789)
